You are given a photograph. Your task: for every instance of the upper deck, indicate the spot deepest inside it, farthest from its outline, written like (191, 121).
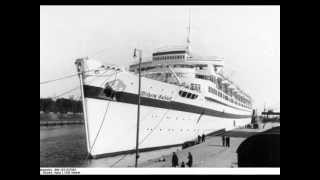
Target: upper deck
(177, 55)
(179, 66)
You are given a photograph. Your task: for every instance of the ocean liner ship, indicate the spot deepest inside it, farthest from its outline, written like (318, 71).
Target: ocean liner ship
(182, 96)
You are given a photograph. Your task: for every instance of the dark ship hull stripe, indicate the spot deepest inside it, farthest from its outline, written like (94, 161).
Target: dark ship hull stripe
(130, 98)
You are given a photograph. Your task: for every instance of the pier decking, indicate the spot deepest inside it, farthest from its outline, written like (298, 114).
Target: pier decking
(210, 153)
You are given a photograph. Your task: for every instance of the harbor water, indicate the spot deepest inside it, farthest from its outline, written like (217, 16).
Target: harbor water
(64, 146)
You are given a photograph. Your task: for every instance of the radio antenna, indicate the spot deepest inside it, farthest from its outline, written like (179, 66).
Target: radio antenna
(189, 32)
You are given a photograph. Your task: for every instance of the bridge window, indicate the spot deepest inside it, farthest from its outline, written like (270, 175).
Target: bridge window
(187, 95)
(183, 93)
(195, 87)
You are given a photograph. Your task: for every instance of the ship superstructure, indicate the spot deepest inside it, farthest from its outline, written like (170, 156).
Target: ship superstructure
(182, 95)
(176, 65)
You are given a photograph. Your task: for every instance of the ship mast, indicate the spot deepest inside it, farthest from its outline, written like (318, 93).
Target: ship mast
(189, 32)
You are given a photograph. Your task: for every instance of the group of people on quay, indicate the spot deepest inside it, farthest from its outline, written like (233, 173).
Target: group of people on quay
(175, 161)
(200, 139)
(226, 141)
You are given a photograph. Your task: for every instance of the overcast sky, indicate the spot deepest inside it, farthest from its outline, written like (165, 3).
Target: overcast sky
(247, 37)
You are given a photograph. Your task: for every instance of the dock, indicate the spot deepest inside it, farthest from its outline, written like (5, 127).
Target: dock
(210, 153)
(60, 122)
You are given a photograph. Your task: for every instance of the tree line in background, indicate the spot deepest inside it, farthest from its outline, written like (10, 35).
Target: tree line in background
(61, 105)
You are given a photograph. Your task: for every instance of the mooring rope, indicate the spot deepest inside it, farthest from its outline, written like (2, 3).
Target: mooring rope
(145, 138)
(101, 125)
(119, 160)
(155, 127)
(65, 77)
(67, 92)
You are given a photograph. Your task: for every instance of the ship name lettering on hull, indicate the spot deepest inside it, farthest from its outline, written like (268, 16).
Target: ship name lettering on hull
(155, 96)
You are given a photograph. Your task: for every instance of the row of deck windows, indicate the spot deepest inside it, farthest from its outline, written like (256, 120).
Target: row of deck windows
(168, 57)
(227, 98)
(212, 90)
(240, 100)
(205, 77)
(224, 88)
(195, 130)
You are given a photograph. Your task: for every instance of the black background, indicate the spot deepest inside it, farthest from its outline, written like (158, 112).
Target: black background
(20, 77)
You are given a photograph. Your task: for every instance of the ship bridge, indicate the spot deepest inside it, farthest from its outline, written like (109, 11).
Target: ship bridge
(178, 56)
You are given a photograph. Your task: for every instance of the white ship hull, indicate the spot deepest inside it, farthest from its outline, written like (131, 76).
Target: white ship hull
(118, 132)
(165, 119)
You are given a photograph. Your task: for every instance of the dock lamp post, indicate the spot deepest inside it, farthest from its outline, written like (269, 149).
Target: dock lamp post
(138, 113)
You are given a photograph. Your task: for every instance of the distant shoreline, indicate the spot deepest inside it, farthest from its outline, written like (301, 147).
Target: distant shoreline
(61, 122)
(54, 119)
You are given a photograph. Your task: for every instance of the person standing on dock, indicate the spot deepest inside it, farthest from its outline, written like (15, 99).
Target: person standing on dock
(223, 141)
(175, 160)
(203, 138)
(228, 141)
(199, 139)
(189, 163)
